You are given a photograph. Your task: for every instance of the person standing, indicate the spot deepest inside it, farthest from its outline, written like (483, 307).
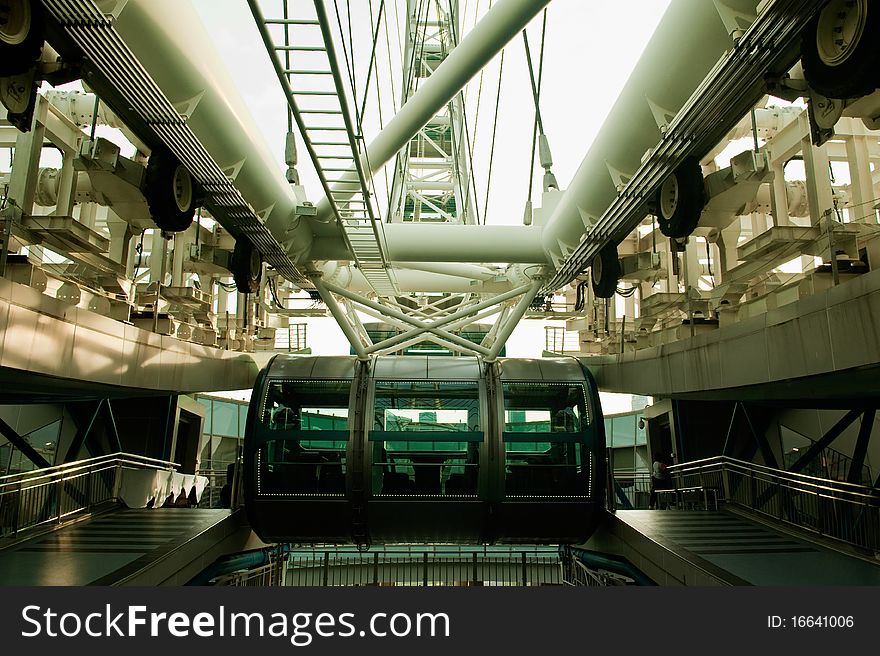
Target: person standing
(660, 478)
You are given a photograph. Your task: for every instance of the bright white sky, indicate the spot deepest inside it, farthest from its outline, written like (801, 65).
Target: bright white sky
(591, 47)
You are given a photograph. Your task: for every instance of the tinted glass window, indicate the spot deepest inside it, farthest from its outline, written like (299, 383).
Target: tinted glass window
(308, 456)
(432, 468)
(426, 406)
(313, 405)
(545, 407)
(305, 466)
(544, 440)
(426, 438)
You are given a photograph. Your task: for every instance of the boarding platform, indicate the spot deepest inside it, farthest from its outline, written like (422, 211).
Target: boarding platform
(698, 547)
(165, 546)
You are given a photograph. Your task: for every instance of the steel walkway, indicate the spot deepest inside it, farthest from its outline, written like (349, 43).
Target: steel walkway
(165, 546)
(678, 547)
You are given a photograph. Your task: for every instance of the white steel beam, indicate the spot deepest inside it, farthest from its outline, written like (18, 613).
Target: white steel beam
(489, 338)
(417, 333)
(448, 339)
(414, 335)
(434, 327)
(431, 311)
(426, 242)
(471, 271)
(518, 312)
(608, 195)
(500, 24)
(632, 127)
(355, 321)
(338, 313)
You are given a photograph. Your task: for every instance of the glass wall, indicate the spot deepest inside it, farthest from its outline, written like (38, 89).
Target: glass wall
(545, 434)
(426, 438)
(308, 422)
(626, 437)
(44, 440)
(222, 431)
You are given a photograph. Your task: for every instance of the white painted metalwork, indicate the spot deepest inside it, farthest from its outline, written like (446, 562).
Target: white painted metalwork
(431, 177)
(698, 86)
(328, 131)
(500, 24)
(192, 106)
(439, 329)
(668, 116)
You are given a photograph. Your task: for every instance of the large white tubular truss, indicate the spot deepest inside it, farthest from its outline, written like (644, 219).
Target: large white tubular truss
(431, 178)
(431, 183)
(204, 125)
(500, 24)
(615, 205)
(425, 263)
(438, 329)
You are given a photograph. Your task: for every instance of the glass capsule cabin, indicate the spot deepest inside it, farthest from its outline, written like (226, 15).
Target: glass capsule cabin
(417, 449)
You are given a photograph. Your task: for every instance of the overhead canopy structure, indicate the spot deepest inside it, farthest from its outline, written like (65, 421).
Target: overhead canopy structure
(159, 70)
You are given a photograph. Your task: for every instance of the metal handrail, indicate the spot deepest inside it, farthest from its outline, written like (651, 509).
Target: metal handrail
(814, 481)
(847, 460)
(265, 576)
(216, 481)
(846, 512)
(78, 465)
(333, 567)
(45, 496)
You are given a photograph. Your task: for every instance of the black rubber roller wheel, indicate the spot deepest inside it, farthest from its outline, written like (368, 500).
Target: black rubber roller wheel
(21, 35)
(605, 272)
(840, 49)
(680, 199)
(247, 266)
(171, 191)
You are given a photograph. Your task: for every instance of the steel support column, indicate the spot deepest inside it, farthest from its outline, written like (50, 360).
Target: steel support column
(170, 428)
(725, 451)
(112, 422)
(761, 441)
(512, 320)
(341, 318)
(861, 448)
(82, 435)
(825, 440)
